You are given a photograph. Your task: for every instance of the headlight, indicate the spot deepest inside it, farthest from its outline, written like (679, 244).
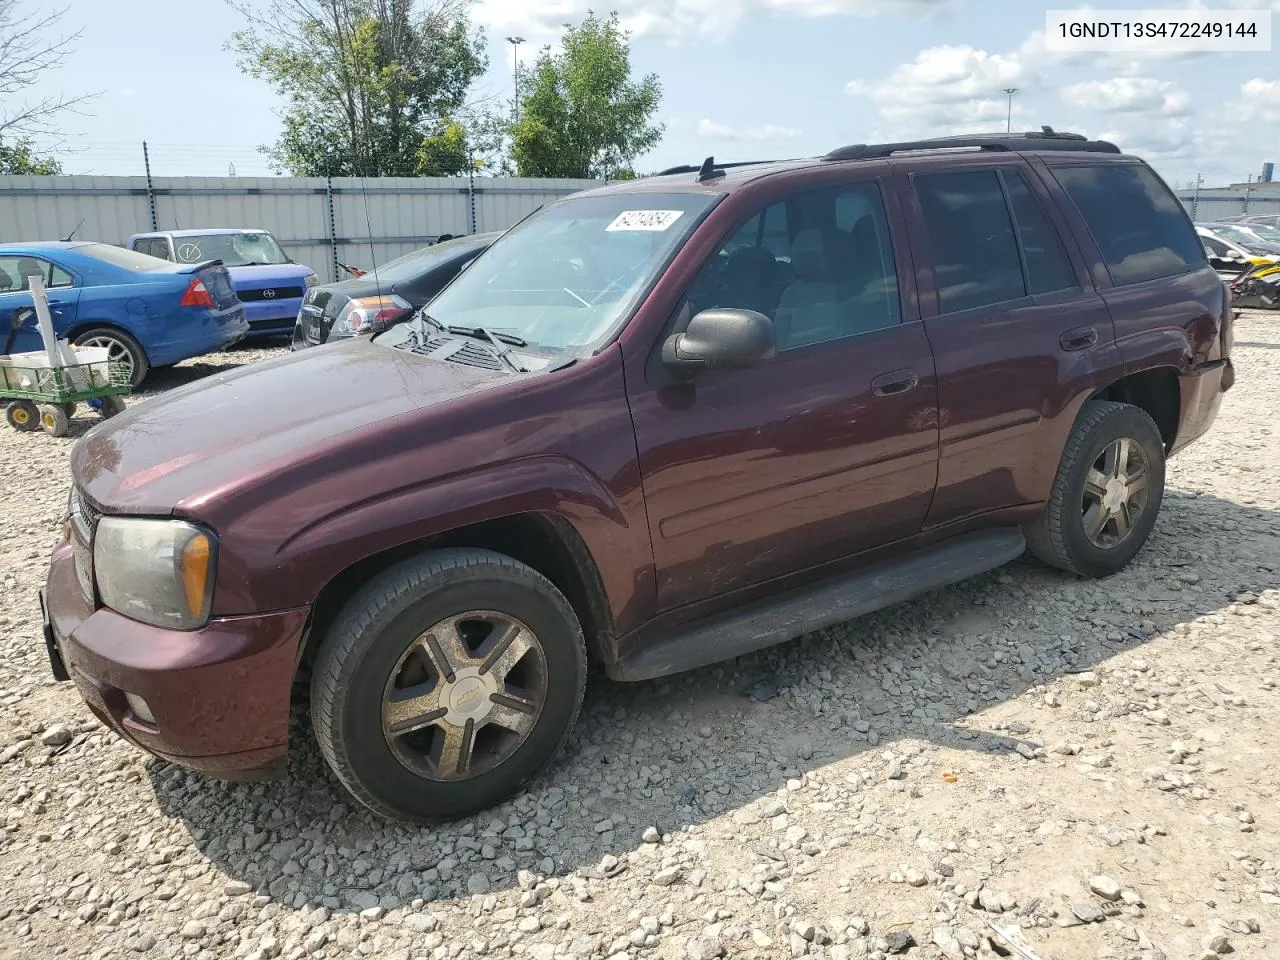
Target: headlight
(311, 280)
(157, 571)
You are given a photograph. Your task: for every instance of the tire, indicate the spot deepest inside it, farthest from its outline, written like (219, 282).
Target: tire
(54, 420)
(1061, 536)
(372, 645)
(110, 407)
(23, 415)
(69, 408)
(121, 348)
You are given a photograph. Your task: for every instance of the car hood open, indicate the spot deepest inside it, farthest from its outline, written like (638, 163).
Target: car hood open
(202, 441)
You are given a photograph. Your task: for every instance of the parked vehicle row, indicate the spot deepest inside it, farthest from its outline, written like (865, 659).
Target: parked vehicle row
(1247, 256)
(144, 311)
(657, 424)
(268, 282)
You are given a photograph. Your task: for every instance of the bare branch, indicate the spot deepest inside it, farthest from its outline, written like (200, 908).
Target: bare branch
(28, 50)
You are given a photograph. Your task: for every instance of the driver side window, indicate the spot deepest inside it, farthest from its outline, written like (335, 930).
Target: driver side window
(819, 264)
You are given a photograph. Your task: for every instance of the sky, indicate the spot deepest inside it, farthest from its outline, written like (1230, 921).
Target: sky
(741, 79)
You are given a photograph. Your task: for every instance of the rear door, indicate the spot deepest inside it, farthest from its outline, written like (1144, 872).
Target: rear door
(18, 330)
(825, 451)
(1017, 329)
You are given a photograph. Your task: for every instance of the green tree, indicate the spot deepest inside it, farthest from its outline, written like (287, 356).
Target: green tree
(20, 157)
(365, 82)
(581, 114)
(444, 152)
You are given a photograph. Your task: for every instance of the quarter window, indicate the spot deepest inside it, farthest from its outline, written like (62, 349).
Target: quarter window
(819, 264)
(1141, 229)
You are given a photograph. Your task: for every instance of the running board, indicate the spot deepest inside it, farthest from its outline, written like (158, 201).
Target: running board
(804, 609)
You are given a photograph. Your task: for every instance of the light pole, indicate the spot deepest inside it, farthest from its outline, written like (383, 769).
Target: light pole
(515, 70)
(1008, 117)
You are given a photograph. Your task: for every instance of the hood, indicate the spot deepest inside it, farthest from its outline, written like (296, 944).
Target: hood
(229, 430)
(269, 273)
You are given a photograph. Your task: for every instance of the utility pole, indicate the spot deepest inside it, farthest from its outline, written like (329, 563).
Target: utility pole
(515, 70)
(1008, 117)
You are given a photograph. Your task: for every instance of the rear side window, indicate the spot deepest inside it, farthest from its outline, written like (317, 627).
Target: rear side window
(975, 255)
(1048, 268)
(1139, 225)
(153, 247)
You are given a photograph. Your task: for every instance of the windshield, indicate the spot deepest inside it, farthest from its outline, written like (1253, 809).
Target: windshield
(1251, 239)
(566, 275)
(233, 249)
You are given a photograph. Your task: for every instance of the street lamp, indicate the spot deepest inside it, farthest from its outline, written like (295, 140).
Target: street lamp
(515, 70)
(1008, 119)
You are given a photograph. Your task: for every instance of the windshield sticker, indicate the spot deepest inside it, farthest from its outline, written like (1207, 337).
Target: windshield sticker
(651, 220)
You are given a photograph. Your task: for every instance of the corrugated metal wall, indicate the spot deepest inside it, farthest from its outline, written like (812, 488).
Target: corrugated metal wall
(315, 219)
(1221, 202)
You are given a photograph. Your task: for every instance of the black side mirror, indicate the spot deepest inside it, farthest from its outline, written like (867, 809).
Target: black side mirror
(721, 339)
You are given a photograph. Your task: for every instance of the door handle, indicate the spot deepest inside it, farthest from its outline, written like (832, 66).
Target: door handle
(893, 383)
(1078, 339)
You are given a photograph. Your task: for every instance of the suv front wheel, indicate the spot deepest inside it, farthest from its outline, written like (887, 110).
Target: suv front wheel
(447, 683)
(1107, 492)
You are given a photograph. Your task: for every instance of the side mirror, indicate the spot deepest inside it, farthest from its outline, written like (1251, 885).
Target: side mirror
(721, 339)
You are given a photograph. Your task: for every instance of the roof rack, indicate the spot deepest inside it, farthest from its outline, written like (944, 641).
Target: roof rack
(1046, 138)
(708, 168)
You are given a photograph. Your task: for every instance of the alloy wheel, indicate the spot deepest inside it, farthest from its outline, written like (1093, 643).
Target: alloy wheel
(1116, 493)
(117, 351)
(465, 695)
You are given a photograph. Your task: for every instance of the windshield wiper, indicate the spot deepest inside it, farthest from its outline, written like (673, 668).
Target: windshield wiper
(499, 341)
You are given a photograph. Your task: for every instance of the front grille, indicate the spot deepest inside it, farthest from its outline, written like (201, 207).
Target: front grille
(82, 508)
(278, 293)
(466, 352)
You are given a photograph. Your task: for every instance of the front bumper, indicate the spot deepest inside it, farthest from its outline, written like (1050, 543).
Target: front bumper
(219, 696)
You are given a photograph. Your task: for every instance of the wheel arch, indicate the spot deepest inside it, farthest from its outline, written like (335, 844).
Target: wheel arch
(84, 326)
(1155, 391)
(548, 543)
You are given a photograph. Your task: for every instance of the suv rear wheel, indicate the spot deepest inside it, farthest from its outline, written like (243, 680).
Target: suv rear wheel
(447, 683)
(1107, 492)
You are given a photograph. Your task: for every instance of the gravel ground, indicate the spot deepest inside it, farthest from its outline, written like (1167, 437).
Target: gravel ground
(1087, 766)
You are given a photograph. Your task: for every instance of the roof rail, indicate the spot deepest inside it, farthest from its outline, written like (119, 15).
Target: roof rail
(707, 166)
(1046, 138)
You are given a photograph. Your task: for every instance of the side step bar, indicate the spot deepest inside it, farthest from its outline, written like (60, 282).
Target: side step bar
(796, 612)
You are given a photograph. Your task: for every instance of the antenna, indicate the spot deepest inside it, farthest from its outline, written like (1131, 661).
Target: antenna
(67, 238)
(708, 170)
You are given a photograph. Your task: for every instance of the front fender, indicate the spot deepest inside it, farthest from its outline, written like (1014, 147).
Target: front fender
(254, 577)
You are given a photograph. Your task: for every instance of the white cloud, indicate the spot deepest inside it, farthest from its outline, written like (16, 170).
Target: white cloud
(947, 89)
(1144, 95)
(1260, 101)
(722, 131)
(542, 22)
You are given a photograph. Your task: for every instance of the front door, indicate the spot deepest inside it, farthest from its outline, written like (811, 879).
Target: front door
(826, 450)
(18, 330)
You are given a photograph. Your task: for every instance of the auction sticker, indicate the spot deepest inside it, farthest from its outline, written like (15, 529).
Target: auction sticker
(653, 220)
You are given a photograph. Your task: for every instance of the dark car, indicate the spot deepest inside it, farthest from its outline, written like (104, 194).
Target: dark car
(657, 424)
(386, 295)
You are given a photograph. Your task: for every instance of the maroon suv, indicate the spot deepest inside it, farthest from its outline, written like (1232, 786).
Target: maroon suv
(657, 424)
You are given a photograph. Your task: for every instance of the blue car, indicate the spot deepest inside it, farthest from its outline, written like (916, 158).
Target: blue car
(269, 284)
(147, 312)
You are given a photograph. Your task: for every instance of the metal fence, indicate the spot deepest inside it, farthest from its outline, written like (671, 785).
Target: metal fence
(1217, 202)
(318, 221)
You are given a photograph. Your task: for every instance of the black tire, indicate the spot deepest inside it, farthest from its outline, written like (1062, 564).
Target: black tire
(1058, 537)
(360, 652)
(110, 407)
(54, 419)
(23, 415)
(120, 344)
(69, 408)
